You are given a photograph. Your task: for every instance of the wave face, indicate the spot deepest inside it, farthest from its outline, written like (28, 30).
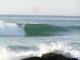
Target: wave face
(10, 29)
(43, 29)
(7, 53)
(49, 30)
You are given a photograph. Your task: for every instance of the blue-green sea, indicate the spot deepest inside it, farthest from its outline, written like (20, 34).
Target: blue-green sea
(33, 35)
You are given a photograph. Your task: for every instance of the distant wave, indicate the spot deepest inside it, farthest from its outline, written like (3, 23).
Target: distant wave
(74, 27)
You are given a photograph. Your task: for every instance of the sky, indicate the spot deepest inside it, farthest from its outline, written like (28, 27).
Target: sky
(40, 7)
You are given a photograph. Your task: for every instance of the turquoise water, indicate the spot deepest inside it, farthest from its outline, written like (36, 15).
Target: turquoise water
(21, 36)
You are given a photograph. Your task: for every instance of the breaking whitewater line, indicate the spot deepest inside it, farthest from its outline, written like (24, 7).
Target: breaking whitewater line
(10, 29)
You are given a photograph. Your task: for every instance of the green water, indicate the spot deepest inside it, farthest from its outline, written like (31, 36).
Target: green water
(42, 29)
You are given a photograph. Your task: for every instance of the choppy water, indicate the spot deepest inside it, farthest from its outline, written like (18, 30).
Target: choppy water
(25, 36)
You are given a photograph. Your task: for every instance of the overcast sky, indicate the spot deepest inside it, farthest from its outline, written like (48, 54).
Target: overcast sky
(41, 7)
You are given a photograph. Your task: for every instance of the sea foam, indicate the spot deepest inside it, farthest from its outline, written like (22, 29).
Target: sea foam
(10, 29)
(60, 48)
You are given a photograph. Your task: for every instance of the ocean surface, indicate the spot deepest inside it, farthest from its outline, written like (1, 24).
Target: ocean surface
(31, 35)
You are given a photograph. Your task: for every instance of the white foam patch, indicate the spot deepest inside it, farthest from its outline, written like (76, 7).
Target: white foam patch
(5, 54)
(60, 48)
(10, 29)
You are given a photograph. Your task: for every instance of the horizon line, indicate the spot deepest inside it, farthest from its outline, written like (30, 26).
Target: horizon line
(38, 15)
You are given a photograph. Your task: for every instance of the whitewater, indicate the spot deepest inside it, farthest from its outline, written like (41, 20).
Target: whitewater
(59, 47)
(28, 36)
(10, 29)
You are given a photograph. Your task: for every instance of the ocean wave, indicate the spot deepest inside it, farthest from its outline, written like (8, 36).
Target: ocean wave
(13, 29)
(10, 29)
(43, 29)
(72, 28)
(49, 30)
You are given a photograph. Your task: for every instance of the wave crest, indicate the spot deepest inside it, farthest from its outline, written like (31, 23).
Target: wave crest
(10, 29)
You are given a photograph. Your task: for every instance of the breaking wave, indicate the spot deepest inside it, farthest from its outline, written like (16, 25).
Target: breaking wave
(13, 29)
(10, 29)
(7, 53)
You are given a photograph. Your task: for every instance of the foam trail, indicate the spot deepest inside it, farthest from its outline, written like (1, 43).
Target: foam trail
(10, 29)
